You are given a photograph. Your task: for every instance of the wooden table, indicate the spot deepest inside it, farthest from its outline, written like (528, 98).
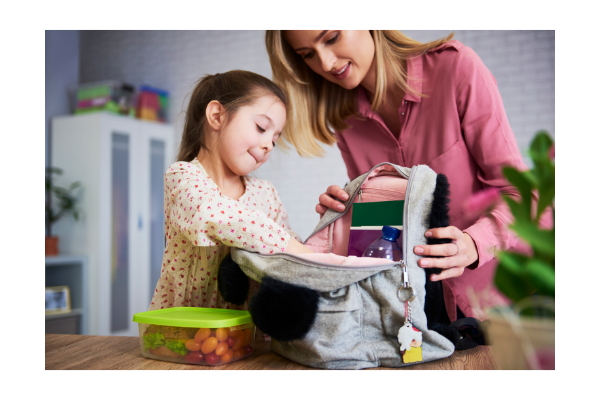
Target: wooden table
(121, 352)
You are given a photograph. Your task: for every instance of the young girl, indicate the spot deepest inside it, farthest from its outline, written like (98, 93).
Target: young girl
(233, 122)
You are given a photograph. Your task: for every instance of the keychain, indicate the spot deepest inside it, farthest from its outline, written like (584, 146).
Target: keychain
(409, 337)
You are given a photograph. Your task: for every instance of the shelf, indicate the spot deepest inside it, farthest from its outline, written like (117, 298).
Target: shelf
(63, 259)
(74, 312)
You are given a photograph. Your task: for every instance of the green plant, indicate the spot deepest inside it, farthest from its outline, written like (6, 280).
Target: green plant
(66, 200)
(518, 275)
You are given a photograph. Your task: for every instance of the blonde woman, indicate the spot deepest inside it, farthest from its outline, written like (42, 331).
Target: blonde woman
(385, 97)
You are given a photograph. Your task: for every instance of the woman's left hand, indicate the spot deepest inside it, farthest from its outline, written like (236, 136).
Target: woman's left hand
(456, 256)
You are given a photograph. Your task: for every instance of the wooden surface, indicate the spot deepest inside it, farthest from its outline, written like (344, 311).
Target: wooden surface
(121, 352)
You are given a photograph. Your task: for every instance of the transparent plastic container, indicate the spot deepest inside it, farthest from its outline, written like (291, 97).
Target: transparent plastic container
(386, 246)
(194, 335)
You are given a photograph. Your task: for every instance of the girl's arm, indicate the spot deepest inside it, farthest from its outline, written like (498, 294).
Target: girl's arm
(295, 247)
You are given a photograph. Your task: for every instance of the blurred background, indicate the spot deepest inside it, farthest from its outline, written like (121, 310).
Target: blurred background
(114, 115)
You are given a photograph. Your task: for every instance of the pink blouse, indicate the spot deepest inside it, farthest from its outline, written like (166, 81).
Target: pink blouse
(459, 129)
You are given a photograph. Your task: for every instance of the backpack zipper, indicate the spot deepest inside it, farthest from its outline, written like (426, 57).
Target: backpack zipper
(405, 224)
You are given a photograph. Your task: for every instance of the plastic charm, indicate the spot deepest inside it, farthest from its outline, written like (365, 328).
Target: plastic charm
(410, 339)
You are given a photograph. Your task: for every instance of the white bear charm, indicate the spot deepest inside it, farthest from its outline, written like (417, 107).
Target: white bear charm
(407, 334)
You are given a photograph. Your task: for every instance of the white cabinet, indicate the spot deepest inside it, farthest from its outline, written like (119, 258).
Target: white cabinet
(120, 163)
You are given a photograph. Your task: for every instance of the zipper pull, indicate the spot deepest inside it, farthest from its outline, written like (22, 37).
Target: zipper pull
(359, 195)
(406, 293)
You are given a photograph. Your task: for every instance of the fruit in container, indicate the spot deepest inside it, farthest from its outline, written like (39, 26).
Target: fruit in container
(239, 353)
(237, 342)
(192, 345)
(209, 338)
(194, 357)
(221, 348)
(235, 333)
(202, 335)
(212, 358)
(209, 345)
(247, 337)
(225, 358)
(221, 334)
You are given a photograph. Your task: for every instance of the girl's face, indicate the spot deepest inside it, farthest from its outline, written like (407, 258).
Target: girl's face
(342, 57)
(246, 140)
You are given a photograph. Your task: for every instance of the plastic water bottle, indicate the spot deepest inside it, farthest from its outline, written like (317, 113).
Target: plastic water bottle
(386, 246)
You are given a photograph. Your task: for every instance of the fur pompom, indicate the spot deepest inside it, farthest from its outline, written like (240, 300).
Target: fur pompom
(284, 311)
(438, 218)
(435, 307)
(469, 333)
(232, 282)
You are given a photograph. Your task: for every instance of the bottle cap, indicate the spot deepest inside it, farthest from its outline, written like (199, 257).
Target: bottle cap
(390, 233)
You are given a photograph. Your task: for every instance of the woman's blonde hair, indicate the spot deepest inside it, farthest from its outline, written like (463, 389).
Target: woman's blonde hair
(318, 107)
(233, 89)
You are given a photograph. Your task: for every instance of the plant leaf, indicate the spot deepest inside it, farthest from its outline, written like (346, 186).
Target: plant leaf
(511, 278)
(523, 184)
(517, 210)
(541, 240)
(542, 276)
(547, 177)
(540, 145)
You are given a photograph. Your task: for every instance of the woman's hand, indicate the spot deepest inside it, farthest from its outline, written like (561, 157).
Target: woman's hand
(457, 255)
(329, 199)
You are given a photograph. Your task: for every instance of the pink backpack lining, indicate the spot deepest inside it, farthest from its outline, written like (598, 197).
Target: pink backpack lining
(383, 184)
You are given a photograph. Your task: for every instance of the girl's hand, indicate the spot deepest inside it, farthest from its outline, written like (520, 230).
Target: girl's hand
(329, 199)
(457, 255)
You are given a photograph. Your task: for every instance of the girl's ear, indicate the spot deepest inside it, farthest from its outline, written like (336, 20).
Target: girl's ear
(214, 115)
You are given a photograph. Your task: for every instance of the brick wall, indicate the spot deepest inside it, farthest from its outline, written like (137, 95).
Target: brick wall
(521, 61)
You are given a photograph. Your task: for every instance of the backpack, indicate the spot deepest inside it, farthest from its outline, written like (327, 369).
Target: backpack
(325, 310)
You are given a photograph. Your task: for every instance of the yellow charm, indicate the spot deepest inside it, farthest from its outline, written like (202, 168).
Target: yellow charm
(413, 354)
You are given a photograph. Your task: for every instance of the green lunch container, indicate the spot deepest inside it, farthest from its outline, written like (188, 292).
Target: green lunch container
(195, 335)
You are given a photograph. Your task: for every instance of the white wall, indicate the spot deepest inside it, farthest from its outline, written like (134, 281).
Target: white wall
(521, 61)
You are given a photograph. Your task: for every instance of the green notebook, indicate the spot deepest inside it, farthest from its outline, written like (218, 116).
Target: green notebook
(378, 213)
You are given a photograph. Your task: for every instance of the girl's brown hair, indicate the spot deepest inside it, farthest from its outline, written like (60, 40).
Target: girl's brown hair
(318, 107)
(232, 90)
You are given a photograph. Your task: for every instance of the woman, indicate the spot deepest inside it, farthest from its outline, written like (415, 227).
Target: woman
(385, 97)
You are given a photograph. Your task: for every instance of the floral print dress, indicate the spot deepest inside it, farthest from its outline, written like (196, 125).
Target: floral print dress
(202, 225)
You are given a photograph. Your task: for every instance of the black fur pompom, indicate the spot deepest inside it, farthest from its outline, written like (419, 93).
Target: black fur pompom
(438, 218)
(284, 311)
(232, 282)
(435, 308)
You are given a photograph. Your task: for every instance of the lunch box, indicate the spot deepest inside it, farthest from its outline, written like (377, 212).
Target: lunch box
(195, 335)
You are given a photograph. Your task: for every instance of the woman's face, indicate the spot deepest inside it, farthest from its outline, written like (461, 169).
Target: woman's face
(342, 57)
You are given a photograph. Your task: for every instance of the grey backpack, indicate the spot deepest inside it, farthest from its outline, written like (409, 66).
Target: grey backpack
(334, 312)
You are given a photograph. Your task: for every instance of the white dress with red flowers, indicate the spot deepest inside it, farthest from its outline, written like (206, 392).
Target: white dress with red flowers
(201, 226)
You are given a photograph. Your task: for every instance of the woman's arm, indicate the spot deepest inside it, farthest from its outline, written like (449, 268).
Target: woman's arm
(492, 144)
(330, 199)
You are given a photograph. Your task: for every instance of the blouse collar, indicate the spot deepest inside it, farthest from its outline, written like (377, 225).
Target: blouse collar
(198, 165)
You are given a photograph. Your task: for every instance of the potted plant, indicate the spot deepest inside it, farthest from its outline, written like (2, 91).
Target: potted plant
(522, 335)
(59, 202)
